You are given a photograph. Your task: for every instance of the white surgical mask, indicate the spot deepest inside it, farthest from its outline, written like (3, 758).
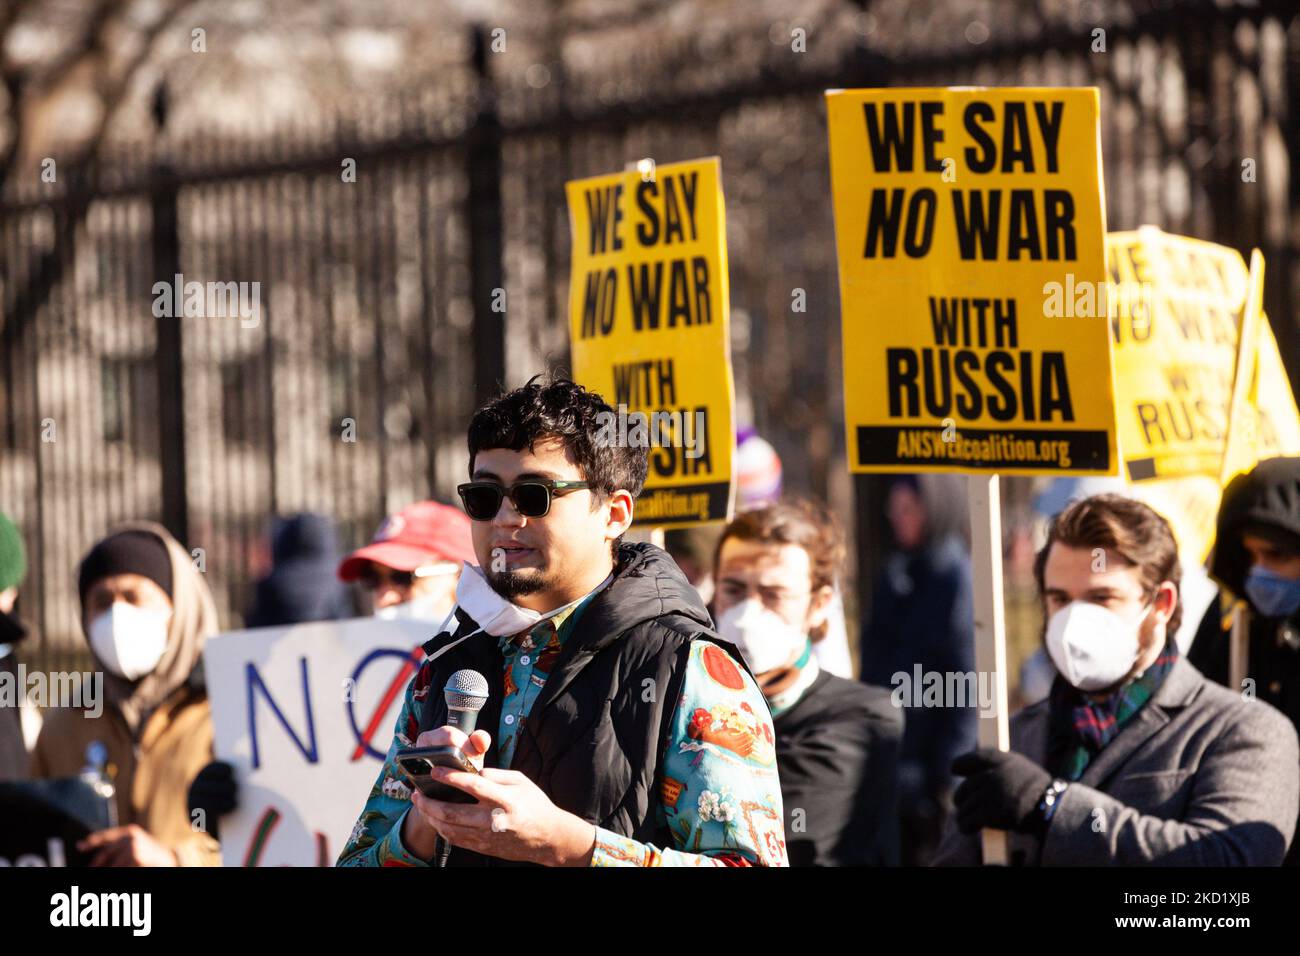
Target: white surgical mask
(424, 607)
(130, 640)
(764, 638)
(1092, 646)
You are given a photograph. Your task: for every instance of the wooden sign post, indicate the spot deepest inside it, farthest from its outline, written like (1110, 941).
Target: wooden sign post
(990, 626)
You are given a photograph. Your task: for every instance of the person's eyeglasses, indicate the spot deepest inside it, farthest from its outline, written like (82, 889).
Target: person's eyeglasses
(531, 498)
(372, 579)
(375, 576)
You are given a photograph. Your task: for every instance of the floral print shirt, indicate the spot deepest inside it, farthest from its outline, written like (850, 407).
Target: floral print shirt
(719, 794)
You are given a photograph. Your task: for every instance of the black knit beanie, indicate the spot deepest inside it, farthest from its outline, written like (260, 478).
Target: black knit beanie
(128, 552)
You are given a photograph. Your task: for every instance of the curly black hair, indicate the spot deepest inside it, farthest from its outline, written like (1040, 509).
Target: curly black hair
(563, 410)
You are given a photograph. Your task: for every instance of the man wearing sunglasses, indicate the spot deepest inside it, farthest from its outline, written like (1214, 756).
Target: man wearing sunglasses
(619, 730)
(410, 568)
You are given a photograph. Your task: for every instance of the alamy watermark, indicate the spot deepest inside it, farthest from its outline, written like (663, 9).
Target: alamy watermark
(1085, 299)
(130, 910)
(80, 689)
(659, 429)
(946, 689)
(204, 300)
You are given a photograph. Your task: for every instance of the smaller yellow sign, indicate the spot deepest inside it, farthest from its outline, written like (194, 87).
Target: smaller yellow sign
(649, 320)
(1176, 305)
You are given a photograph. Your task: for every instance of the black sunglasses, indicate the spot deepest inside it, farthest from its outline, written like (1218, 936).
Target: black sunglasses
(531, 497)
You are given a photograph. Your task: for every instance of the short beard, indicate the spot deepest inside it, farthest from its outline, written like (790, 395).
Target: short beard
(513, 584)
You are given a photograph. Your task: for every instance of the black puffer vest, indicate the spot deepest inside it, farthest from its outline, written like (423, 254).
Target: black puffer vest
(594, 738)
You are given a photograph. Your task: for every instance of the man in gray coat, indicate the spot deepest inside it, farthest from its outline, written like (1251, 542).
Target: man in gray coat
(1135, 758)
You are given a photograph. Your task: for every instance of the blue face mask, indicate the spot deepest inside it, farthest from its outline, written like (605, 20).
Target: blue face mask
(1271, 593)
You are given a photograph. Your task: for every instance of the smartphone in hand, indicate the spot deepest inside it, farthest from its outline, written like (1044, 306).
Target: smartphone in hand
(418, 763)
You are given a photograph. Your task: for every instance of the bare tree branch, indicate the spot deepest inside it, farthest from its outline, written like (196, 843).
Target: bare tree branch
(25, 86)
(49, 269)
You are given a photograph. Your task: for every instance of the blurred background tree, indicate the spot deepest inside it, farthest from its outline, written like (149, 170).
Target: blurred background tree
(207, 136)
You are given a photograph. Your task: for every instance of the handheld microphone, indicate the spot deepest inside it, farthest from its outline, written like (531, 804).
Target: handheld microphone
(465, 693)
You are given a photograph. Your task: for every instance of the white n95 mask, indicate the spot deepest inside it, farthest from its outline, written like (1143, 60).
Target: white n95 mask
(130, 640)
(426, 607)
(764, 638)
(1092, 646)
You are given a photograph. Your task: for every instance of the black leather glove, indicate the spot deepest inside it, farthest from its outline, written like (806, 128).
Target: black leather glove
(1001, 790)
(214, 791)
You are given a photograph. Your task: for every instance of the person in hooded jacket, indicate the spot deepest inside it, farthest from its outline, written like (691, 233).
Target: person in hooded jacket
(146, 613)
(300, 586)
(1257, 556)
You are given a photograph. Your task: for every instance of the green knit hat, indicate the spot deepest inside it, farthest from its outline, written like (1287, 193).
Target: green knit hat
(13, 559)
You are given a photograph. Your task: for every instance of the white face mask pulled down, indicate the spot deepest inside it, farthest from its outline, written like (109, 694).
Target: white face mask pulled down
(490, 611)
(130, 640)
(764, 638)
(1092, 646)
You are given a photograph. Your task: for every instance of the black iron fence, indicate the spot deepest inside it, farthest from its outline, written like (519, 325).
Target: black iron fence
(346, 325)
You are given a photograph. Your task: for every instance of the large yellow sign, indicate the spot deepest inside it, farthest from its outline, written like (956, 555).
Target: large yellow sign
(649, 325)
(970, 231)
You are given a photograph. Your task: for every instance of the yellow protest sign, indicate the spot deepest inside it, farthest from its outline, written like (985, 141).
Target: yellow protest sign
(1176, 305)
(970, 233)
(649, 325)
(1262, 419)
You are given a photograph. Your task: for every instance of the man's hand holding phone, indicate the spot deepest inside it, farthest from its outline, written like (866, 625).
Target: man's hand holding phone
(512, 820)
(418, 834)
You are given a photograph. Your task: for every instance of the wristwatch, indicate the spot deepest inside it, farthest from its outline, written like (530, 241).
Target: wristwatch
(1048, 803)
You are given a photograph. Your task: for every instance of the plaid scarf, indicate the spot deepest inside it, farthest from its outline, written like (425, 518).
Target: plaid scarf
(1081, 726)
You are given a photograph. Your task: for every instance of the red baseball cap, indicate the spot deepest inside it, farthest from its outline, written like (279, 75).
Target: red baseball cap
(419, 534)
